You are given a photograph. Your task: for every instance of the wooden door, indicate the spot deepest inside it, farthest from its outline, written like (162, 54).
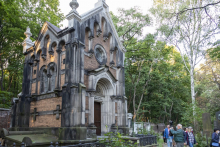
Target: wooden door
(97, 117)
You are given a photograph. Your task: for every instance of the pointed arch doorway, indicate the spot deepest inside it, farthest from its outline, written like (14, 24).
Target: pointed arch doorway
(103, 114)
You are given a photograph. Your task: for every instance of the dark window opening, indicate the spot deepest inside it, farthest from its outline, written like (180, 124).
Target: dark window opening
(35, 71)
(64, 61)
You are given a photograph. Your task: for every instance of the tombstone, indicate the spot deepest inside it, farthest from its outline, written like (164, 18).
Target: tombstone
(217, 115)
(147, 126)
(161, 127)
(129, 123)
(138, 126)
(130, 115)
(215, 124)
(5, 118)
(74, 79)
(207, 126)
(154, 127)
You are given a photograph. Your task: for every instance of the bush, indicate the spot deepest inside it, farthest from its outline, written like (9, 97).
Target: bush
(116, 140)
(5, 99)
(201, 140)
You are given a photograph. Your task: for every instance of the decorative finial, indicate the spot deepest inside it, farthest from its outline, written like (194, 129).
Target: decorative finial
(28, 33)
(27, 43)
(74, 5)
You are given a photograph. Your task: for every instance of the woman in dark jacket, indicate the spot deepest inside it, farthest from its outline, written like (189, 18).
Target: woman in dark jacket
(190, 138)
(215, 138)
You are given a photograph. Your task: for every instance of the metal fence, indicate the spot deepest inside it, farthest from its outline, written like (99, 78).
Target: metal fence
(147, 139)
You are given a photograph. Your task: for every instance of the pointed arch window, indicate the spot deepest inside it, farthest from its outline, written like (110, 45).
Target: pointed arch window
(51, 77)
(44, 52)
(44, 81)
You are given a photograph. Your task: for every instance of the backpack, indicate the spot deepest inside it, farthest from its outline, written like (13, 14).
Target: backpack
(170, 134)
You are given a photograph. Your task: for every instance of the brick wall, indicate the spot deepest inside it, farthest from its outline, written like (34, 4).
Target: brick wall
(5, 118)
(46, 120)
(90, 63)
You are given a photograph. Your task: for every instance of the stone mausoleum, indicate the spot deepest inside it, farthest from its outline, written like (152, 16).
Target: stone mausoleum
(73, 79)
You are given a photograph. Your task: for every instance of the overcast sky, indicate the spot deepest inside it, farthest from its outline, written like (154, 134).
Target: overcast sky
(86, 5)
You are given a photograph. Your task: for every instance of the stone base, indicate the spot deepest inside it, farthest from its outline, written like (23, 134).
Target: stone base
(121, 130)
(63, 133)
(91, 132)
(34, 137)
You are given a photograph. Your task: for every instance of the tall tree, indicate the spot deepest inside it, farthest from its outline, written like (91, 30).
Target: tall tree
(16, 15)
(191, 32)
(129, 25)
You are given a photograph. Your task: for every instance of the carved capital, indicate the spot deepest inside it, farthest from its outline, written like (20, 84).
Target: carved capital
(51, 52)
(59, 51)
(91, 37)
(44, 56)
(49, 75)
(98, 33)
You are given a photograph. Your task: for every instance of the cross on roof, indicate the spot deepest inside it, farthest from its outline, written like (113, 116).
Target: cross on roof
(57, 112)
(35, 114)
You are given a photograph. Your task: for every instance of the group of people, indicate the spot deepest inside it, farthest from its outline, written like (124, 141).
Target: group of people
(180, 136)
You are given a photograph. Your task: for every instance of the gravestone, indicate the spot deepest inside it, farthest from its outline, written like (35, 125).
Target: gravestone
(161, 127)
(129, 119)
(5, 118)
(138, 126)
(147, 126)
(154, 127)
(217, 115)
(207, 126)
(129, 123)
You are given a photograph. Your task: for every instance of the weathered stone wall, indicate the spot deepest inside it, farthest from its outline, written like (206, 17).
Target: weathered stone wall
(5, 118)
(46, 105)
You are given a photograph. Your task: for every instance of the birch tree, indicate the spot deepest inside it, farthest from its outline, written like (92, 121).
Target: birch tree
(190, 30)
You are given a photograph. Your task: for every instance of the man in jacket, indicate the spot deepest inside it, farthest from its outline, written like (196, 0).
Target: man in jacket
(178, 136)
(167, 136)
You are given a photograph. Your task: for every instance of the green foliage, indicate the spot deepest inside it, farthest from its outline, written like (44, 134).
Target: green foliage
(201, 140)
(130, 24)
(156, 80)
(16, 15)
(188, 118)
(116, 140)
(5, 99)
(151, 132)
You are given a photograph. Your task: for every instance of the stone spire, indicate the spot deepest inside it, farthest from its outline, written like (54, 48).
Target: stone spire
(27, 43)
(73, 13)
(74, 5)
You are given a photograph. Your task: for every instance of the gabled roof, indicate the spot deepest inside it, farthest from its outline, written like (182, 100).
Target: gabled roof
(55, 28)
(100, 6)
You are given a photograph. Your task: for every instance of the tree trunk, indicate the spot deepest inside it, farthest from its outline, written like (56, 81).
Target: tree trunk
(192, 85)
(2, 78)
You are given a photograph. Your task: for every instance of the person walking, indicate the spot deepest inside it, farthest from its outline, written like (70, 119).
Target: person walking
(215, 138)
(178, 136)
(190, 138)
(168, 136)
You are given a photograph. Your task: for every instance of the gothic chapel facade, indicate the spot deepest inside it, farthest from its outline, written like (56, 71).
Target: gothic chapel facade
(73, 85)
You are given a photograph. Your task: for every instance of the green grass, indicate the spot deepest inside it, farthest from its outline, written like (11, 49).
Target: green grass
(160, 142)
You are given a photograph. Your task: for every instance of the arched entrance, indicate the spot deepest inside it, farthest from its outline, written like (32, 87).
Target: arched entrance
(103, 106)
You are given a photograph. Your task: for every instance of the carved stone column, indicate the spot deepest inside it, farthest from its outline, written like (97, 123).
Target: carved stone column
(59, 51)
(37, 76)
(91, 109)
